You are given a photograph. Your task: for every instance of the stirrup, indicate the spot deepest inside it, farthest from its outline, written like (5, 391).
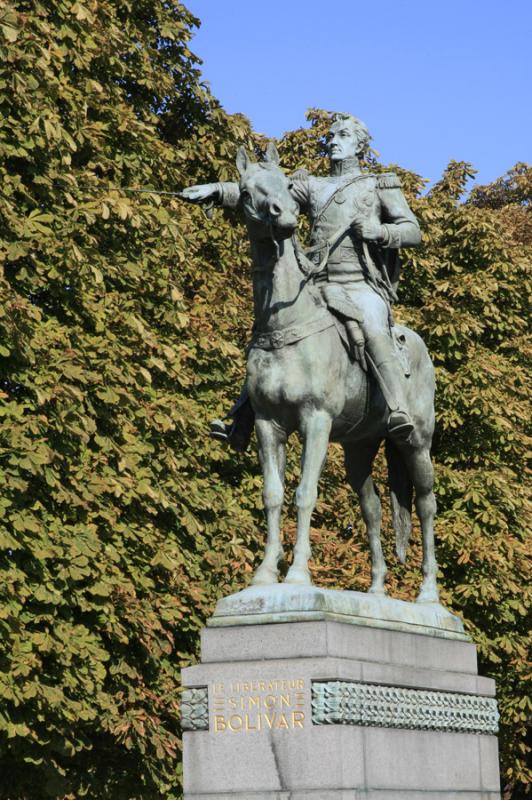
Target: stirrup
(400, 426)
(228, 433)
(220, 430)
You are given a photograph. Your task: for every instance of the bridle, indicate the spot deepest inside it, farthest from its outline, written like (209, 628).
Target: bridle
(306, 266)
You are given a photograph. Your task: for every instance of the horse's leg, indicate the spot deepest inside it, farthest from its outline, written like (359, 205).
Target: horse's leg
(272, 445)
(315, 429)
(422, 473)
(358, 462)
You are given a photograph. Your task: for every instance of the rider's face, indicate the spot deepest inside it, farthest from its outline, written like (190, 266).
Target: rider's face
(342, 141)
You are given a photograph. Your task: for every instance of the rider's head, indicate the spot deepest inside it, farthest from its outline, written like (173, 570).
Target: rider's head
(348, 137)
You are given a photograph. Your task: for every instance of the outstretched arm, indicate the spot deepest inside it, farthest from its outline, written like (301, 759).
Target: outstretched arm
(300, 189)
(226, 194)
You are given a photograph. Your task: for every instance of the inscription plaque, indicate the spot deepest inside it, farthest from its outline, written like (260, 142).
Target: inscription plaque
(255, 705)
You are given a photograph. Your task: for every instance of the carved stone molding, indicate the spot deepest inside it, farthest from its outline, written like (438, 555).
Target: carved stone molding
(195, 709)
(347, 703)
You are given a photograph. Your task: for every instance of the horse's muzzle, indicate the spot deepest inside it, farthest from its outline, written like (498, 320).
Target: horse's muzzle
(284, 224)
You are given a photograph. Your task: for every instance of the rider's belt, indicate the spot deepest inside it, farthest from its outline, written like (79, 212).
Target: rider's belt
(274, 340)
(342, 271)
(346, 277)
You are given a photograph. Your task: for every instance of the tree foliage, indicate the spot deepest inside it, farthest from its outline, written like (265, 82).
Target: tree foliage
(124, 319)
(109, 353)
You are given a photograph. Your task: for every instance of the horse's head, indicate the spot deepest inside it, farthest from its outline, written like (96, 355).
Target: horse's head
(265, 195)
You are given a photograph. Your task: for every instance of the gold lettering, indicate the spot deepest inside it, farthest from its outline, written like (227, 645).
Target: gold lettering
(270, 719)
(248, 726)
(298, 718)
(233, 726)
(254, 705)
(219, 723)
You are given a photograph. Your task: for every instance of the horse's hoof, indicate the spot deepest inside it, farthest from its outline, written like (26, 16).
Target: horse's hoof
(378, 585)
(428, 596)
(265, 577)
(300, 577)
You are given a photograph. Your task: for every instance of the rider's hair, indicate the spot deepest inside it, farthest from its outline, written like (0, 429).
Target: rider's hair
(364, 136)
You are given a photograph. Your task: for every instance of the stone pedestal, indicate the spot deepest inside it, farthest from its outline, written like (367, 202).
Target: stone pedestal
(324, 709)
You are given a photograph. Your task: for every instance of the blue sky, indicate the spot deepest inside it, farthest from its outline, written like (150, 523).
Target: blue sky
(432, 79)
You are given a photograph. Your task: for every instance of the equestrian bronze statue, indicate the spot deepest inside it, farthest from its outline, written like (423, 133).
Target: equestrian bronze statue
(326, 359)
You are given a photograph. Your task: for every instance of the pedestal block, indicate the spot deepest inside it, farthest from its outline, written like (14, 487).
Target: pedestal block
(324, 709)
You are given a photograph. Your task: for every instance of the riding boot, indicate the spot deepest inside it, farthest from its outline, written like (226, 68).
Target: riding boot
(241, 421)
(389, 374)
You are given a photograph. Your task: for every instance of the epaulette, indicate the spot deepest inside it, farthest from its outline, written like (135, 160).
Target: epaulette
(388, 180)
(300, 173)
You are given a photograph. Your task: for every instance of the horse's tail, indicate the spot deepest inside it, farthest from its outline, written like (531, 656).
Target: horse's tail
(401, 493)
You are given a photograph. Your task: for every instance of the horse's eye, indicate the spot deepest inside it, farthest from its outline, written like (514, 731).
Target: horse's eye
(290, 186)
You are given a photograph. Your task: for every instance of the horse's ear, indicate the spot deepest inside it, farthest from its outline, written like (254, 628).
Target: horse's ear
(242, 160)
(271, 154)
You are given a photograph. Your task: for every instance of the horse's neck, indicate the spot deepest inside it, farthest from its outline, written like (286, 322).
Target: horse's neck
(281, 293)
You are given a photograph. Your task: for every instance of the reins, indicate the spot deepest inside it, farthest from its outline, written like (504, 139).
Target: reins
(378, 277)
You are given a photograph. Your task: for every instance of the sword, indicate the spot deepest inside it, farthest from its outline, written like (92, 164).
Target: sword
(208, 207)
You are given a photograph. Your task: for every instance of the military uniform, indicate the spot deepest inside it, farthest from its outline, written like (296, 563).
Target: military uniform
(358, 279)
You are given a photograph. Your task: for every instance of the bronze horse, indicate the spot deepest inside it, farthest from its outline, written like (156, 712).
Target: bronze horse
(301, 378)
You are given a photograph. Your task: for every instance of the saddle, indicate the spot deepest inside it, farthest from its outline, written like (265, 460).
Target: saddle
(344, 313)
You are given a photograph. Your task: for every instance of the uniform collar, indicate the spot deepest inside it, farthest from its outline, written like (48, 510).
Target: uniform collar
(349, 166)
